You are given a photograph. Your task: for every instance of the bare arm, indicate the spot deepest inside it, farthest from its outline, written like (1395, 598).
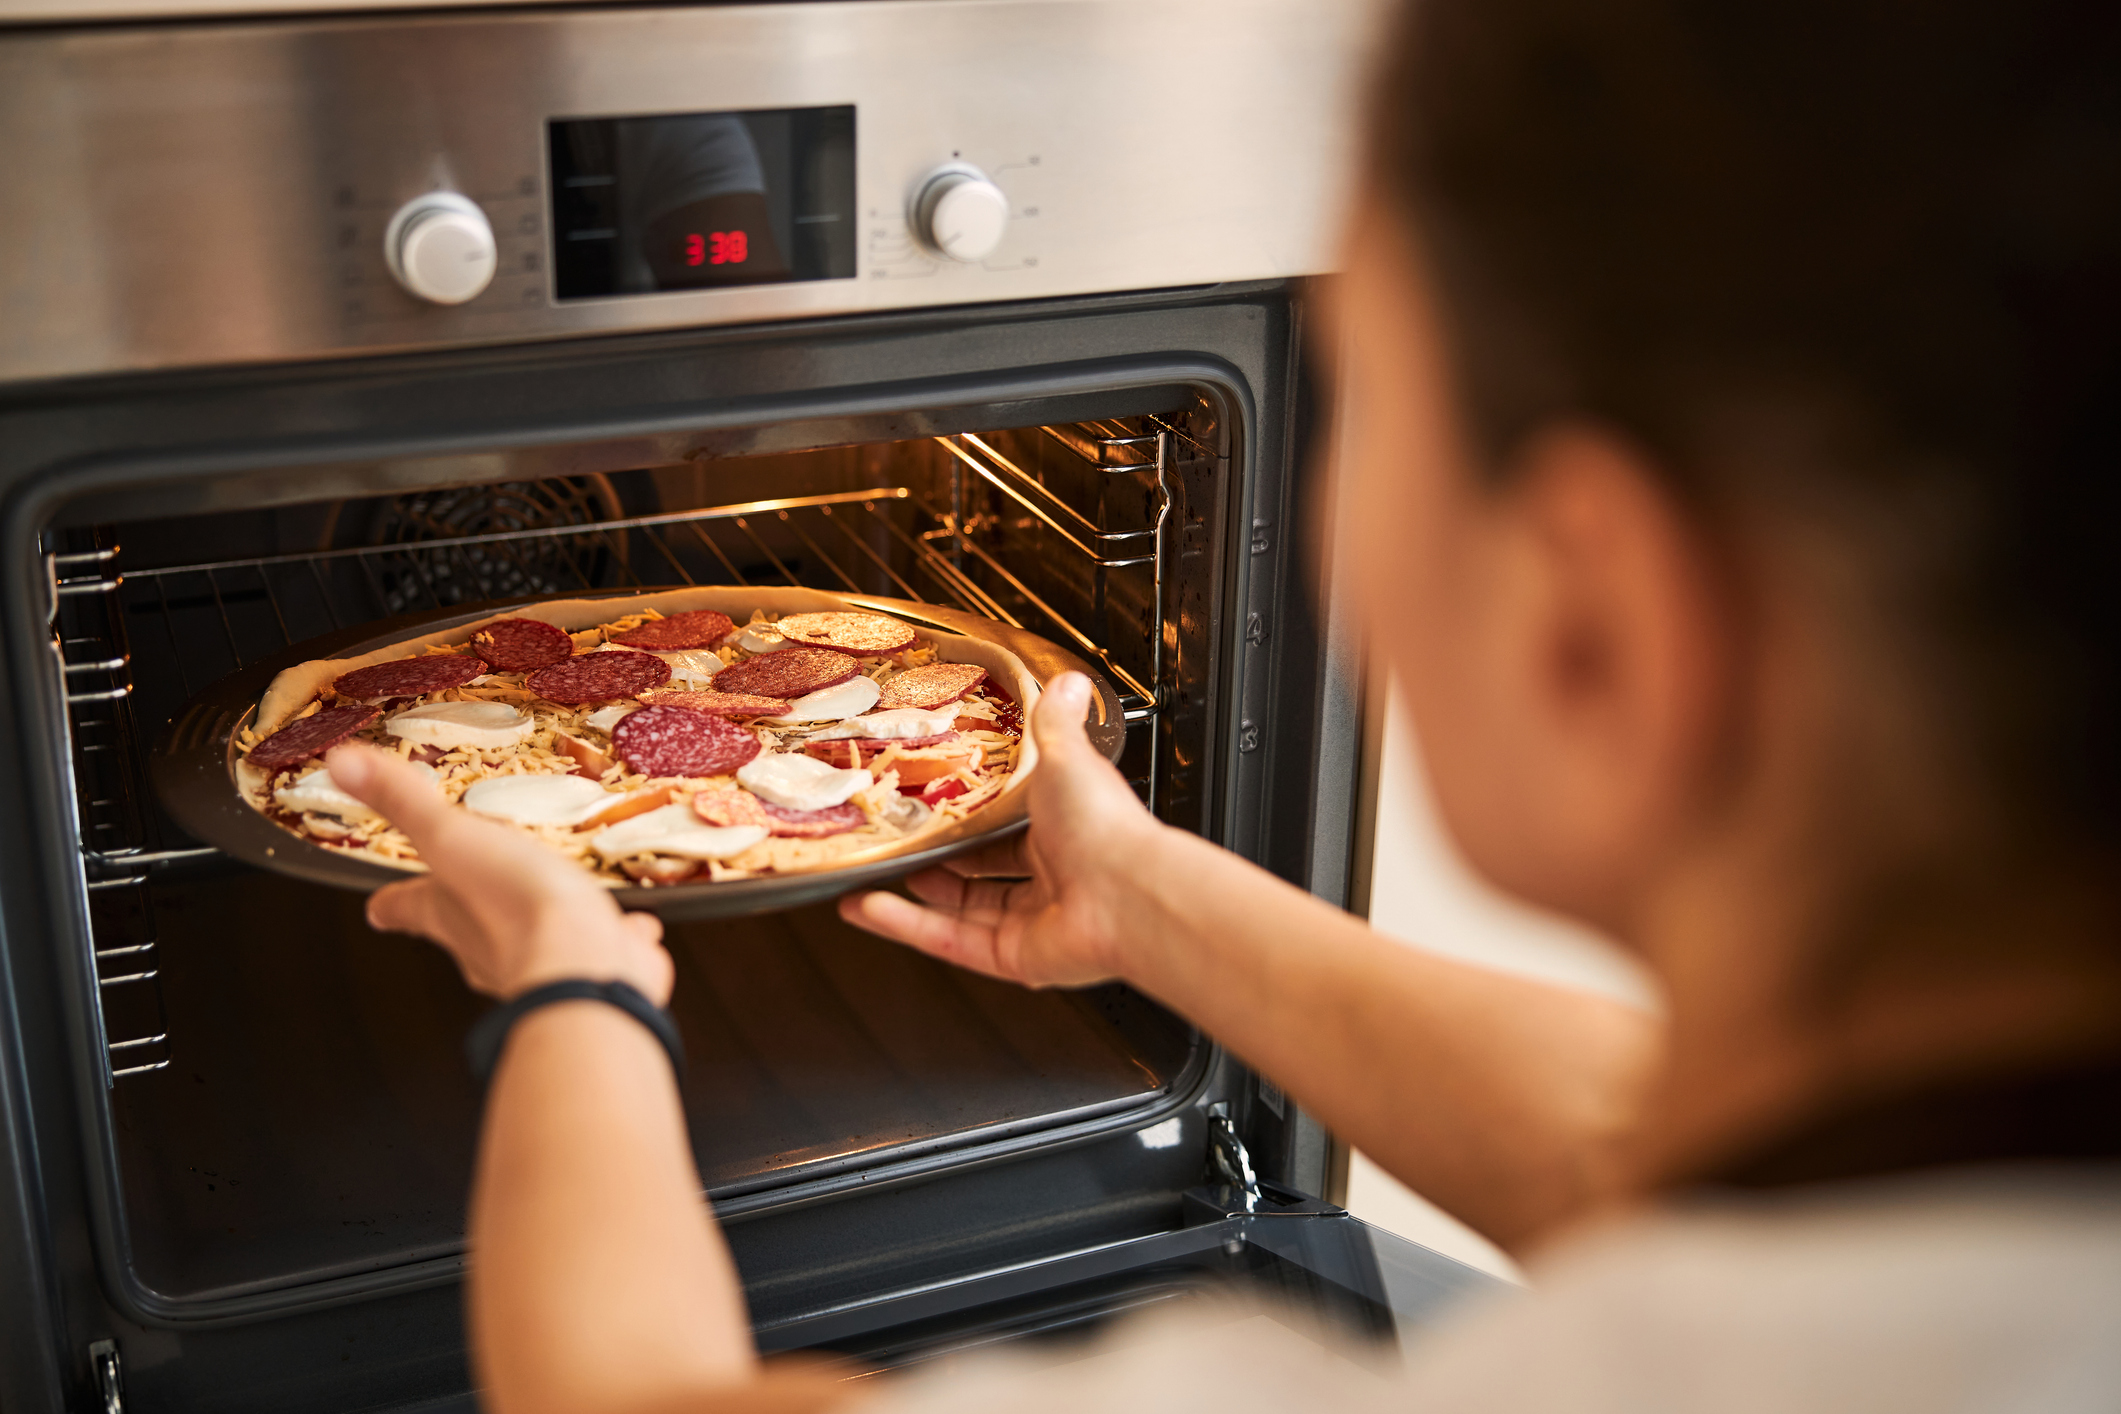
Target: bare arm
(1499, 1098)
(600, 1283)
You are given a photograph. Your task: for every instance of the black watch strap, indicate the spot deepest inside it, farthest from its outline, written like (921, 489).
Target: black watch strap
(490, 1032)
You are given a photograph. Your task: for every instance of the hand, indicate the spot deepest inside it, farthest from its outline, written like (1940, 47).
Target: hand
(513, 913)
(1051, 907)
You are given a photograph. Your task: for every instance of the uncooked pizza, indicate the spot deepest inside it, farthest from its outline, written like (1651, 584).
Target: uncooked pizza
(658, 748)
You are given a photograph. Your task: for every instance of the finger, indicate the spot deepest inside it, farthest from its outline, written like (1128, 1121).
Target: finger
(655, 977)
(433, 910)
(938, 888)
(649, 965)
(425, 908)
(1010, 859)
(889, 916)
(501, 874)
(397, 792)
(1059, 722)
(414, 906)
(981, 901)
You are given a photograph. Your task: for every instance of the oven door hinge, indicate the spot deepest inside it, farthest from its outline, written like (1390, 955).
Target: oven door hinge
(1230, 1163)
(110, 1375)
(1235, 1190)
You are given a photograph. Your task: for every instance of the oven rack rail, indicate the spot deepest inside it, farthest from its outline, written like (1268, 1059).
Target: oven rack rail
(127, 964)
(1138, 699)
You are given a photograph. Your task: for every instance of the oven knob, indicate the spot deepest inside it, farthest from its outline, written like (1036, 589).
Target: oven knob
(961, 214)
(440, 246)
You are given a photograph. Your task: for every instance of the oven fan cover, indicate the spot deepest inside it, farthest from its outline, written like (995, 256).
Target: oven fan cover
(193, 764)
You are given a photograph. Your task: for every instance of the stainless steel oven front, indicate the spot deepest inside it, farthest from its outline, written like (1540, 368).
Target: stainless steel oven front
(309, 323)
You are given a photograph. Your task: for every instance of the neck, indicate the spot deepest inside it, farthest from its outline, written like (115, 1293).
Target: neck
(1852, 915)
(1778, 1026)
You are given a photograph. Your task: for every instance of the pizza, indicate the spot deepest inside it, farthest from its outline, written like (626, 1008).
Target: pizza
(658, 748)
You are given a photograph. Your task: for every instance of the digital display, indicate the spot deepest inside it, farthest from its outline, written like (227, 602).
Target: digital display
(701, 201)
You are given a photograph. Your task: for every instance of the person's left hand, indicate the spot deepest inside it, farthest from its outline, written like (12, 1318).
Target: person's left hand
(513, 913)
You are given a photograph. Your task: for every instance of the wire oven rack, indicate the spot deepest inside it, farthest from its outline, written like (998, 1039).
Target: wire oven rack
(950, 541)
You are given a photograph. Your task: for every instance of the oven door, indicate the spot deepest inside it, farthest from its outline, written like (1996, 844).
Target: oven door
(239, 1122)
(1274, 1253)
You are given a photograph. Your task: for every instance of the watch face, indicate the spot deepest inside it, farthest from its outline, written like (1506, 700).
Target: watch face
(693, 201)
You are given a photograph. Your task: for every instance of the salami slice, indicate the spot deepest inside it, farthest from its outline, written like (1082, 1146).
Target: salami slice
(812, 824)
(722, 704)
(741, 807)
(841, 751)
(931, 687)
(599, 677)
(730, 807)
(408, 677)
(522, 645)
(869, 635)
(672, 741)
(790, 673)
(695, 628)
(314, 735)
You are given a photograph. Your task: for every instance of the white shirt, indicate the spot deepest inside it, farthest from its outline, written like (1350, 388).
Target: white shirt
(1992, 1292)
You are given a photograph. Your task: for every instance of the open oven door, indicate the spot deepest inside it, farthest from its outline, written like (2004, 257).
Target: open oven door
(1255, 1247)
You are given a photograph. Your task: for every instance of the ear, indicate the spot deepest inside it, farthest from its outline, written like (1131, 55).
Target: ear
(1613, 652)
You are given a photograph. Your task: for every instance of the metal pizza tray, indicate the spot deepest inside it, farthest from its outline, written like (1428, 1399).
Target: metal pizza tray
(193, 764)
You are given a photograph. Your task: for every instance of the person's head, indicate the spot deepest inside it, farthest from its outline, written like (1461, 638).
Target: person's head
(1732, 402)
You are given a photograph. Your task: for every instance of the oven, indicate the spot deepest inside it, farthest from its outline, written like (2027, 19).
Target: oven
(312, 322)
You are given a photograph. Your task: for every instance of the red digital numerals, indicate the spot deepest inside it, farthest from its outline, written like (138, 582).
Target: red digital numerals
(717, 248)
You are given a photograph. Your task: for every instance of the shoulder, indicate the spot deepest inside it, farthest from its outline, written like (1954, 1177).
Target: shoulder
(1909, 1294)
(1976, 1295)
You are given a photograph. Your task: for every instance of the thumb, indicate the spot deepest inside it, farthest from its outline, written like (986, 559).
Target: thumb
(390, 786)
(1059, 721)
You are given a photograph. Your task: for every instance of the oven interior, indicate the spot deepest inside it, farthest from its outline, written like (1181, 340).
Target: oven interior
(287, 1093)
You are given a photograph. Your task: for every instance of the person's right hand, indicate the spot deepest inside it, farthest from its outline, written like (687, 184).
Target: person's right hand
(513, 912)
(1053, 906)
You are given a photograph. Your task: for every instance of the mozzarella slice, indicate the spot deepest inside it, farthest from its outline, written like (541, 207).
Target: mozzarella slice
(674, 829)
(605, 718)
(799, 782)
(450, 725)
(538, 800)
(759, 638)
(693, 667)
(834, 704)
(898, 724)
(318, 794)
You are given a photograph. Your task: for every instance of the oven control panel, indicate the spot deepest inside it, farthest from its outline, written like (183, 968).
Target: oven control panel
(666, 202)
(241, 192)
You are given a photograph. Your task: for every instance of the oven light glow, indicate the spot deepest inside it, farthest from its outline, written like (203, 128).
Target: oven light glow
(717, 248)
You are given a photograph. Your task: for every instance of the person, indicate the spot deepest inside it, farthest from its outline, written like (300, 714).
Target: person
(1728, 389)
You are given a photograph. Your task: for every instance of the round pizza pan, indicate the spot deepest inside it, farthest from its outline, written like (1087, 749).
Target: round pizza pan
(193, 764)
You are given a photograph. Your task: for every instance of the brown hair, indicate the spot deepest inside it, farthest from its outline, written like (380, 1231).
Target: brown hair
(1889, 230)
